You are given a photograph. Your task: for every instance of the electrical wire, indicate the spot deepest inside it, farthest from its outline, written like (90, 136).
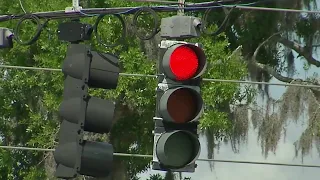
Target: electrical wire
(20, 2)
(101, 12)
(120, 40)
(156, 1)
(123, 33)
(210, 3)
(40, 27)
(273, 9)
(200, 159)
(60, 70)
(129, 10)
(155, 76)
(222, 26)
(155, 23)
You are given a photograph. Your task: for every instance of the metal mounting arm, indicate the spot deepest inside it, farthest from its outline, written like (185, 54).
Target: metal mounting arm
(75, 7)
(181, 5)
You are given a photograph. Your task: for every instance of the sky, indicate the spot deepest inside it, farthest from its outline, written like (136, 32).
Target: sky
(252, 150)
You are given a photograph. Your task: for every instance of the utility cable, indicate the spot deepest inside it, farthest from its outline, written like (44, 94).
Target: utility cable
(60, 70)
(273, 9)
(137, 11)
(222, 26)
(123, 32)
(200, 159)
(130, 10)
(155, 30)
(34, 19)
(209, 3)
(156, 1)
(154, 76)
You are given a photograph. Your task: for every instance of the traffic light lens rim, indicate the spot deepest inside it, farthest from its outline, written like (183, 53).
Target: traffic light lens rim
(202, 62)
(163, 107)
(161, 150)
(186, 99)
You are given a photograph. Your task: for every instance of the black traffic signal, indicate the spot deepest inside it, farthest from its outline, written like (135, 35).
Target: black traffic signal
(74, 155)
(179, 106)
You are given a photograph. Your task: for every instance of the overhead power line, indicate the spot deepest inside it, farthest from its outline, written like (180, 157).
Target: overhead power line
(130, 10)
(273, 9)
(154, 76)
(156, 1)
(200, 159)
(209, 5)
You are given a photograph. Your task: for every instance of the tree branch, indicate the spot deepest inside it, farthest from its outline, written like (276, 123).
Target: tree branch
(262, 44)
(301, 50)
(273, 72)
(265, 67)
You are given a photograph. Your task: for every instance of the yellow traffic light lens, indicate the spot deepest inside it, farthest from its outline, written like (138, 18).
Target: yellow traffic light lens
(182, 105)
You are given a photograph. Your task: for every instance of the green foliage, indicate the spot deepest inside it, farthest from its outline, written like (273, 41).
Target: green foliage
(223, 64)
(29, 100)
(216, 120)
(155, 177)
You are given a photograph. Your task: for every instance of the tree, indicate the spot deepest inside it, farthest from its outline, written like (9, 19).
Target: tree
(271, 43)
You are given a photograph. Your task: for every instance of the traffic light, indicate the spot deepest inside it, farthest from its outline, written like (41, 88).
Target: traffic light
(179, 106)
(80, 112)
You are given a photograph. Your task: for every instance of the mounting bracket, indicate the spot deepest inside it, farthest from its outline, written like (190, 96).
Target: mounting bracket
(75, 7)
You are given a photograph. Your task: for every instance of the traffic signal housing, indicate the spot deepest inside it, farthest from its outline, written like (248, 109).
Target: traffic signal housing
(6, 37)
(179, 106)
(80, 112)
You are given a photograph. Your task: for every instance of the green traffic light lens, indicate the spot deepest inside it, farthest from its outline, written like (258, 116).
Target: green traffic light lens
(177, 149)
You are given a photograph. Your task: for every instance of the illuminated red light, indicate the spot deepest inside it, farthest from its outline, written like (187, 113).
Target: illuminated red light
(184, 63)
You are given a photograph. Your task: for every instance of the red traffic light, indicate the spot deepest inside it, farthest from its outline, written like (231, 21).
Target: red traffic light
(183, 62)
(181, 105)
